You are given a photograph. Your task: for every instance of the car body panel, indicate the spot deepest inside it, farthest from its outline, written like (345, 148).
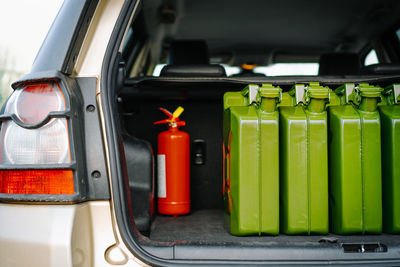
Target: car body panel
(59, 235)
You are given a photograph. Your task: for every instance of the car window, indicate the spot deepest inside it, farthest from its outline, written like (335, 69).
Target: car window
(277, 69)
(282, 69)
(157, 69)
(371, 58)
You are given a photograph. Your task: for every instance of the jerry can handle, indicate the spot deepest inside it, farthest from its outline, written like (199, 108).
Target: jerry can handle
(252, 91)
(396, 93)
(298, 91)
(394, 89)
(349, 88)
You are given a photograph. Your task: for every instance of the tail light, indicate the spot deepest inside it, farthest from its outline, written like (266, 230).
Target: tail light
(52, 182)
(35, 153)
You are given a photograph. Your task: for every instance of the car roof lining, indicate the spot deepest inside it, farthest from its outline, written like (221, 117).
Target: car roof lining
(262, 31)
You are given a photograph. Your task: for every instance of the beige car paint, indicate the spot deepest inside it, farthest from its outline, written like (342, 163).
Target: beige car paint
(58, 235)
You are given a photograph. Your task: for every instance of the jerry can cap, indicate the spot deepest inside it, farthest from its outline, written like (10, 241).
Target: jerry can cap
(315, 90)
(369, 91)
(267, 90)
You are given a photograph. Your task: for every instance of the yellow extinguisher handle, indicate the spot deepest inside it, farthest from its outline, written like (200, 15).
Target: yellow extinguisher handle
(177, 112)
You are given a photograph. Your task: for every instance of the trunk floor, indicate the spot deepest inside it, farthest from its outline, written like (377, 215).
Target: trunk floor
(207, 227)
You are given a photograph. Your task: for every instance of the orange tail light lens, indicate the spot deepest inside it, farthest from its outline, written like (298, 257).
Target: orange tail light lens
(48, 182)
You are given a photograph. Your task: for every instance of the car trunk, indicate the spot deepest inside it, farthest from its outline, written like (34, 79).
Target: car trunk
(202, 234)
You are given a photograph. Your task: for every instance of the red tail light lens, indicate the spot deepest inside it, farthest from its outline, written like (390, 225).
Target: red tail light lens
(35, 102)
(52, 182)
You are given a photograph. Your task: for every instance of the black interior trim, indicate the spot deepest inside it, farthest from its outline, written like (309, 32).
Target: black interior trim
(63, 41)
(132, 85)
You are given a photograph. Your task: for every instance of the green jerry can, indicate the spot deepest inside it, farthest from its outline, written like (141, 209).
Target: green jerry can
(251, 157)
(390, 130)
(355, 161)
(304, 161)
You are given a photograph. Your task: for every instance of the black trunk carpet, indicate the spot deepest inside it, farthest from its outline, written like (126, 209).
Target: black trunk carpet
(207, 227)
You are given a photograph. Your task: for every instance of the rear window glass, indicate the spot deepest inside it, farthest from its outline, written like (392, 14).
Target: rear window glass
(371, 58)
(279, 69)
(282, 69)
(157, 69)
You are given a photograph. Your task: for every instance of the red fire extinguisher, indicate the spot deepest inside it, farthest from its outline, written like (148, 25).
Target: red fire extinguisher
(173, 161)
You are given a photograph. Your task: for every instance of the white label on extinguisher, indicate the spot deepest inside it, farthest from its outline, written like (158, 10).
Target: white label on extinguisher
(162, 187)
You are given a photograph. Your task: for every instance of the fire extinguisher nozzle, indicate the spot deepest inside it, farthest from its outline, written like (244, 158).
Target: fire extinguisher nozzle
(173, 118)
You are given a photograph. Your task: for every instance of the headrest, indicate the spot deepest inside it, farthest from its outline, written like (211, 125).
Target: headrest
(339, 64)
(193, 70)
(188, 53)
